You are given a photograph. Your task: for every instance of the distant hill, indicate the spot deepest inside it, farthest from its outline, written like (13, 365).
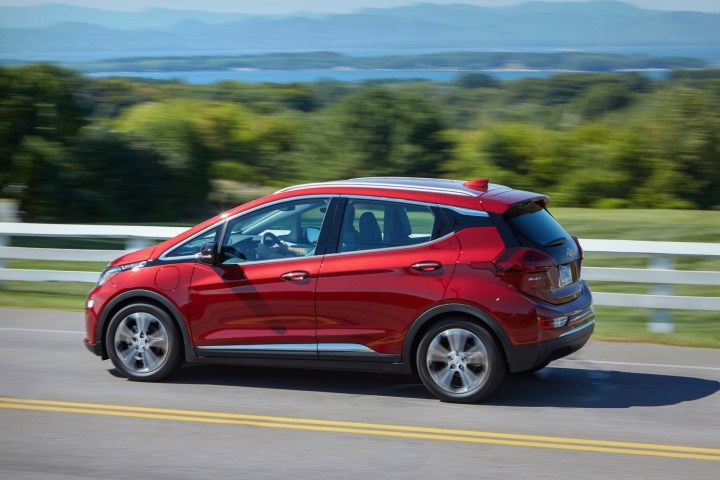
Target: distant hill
(60, 28)
(156, 18)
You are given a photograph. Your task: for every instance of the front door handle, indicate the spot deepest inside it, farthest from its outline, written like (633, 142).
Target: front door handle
(295, 276)
(426, 266)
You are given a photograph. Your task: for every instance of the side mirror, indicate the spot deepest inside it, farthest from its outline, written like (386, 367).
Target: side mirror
(208, 253)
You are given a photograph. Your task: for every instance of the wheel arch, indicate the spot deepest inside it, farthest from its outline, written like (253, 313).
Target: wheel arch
(441, 312)
(142, 296)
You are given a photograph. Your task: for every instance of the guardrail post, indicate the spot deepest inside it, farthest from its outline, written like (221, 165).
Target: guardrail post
(4, 242)
(661, 319)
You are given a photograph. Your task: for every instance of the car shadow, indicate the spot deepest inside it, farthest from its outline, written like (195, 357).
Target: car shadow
(591, 388)
(550, 387)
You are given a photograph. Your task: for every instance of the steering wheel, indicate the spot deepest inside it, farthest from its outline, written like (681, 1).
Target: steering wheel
(234, 252)
(271, 240)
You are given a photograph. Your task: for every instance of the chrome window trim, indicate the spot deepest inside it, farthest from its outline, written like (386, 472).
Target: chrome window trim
(293, 347)
(470, 212)
(164, 256)
(399, 247)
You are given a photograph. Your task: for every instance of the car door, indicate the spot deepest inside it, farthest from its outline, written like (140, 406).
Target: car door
(259, 299)
(393, 261)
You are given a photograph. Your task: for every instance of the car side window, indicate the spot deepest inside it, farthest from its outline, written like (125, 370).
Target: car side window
(373, 224)
(192, 246)
(280, 231)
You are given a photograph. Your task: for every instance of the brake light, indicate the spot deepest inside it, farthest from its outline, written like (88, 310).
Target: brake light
(528, 269)
(523, 260)
(578, 263)
(577, 242)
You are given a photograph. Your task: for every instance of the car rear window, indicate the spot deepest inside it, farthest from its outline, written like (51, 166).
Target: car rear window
(534, 227)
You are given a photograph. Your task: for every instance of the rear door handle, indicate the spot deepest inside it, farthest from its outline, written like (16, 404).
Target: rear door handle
(426, 266)
(295, 276)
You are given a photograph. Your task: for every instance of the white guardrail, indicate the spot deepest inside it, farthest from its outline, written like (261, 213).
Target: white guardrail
(661, 273)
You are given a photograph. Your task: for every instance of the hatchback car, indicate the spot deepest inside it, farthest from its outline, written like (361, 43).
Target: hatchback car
(455, 282)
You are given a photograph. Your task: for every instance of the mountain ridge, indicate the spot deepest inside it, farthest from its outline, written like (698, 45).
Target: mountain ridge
(424, 25)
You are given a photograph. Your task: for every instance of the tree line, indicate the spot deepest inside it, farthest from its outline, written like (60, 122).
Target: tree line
(73, 148)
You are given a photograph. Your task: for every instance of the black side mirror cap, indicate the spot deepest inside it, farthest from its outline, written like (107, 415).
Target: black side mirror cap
(208, 253)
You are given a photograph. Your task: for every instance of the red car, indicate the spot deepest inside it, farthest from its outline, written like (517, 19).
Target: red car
(456, 282)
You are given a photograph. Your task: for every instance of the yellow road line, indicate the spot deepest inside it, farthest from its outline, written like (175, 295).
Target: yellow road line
(428, 433)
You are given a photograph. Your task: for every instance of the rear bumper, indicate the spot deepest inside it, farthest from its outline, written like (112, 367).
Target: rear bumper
(522, 358)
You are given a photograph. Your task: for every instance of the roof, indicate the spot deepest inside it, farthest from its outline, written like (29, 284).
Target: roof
(427, 185)
(491, 196)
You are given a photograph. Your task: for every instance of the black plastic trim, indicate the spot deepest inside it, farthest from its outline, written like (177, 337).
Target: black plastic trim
(366, 357)
(447, 309)
(256, 354)
(95, 348)
(333, 239)
(523, 358)
(279, 354)
(363, 366)
(457, 221)
(520, 358)
(503, 228)
(140, 295)
(328, 227)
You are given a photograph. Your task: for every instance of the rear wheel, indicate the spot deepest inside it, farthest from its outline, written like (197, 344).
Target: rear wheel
(144, 343)
(459, 361)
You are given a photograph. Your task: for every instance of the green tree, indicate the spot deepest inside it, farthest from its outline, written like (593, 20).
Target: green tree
(681, 154)
(38, 100)
(98, 177)
(386, 133)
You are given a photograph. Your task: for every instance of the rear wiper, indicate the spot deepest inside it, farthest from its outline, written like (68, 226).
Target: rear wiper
(556, 242)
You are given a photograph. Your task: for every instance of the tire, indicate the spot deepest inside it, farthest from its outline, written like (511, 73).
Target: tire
(459, 361)
(144, 343)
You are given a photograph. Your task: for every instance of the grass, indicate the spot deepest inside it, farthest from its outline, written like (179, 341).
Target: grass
(652, 225)
(692, 328)
(52, 295)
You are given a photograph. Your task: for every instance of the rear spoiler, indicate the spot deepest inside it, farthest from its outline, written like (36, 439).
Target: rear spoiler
(505, 199)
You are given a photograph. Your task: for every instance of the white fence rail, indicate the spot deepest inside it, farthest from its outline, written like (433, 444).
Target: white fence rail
(660, 274)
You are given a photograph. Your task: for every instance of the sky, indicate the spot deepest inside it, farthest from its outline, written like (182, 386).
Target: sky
(334, 6)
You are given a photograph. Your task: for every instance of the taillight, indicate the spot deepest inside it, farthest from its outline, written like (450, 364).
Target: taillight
(523, 260)
(528, 269)
(549, 323)
(577, 242)
(578, 262)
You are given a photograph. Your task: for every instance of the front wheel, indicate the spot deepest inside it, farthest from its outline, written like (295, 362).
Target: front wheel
(144, 343)
(459, 361)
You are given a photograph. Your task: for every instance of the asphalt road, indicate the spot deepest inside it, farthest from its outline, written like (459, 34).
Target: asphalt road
(610, 411)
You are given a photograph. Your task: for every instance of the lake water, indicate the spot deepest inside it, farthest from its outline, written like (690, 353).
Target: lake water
(288, 76)
(709, 53)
